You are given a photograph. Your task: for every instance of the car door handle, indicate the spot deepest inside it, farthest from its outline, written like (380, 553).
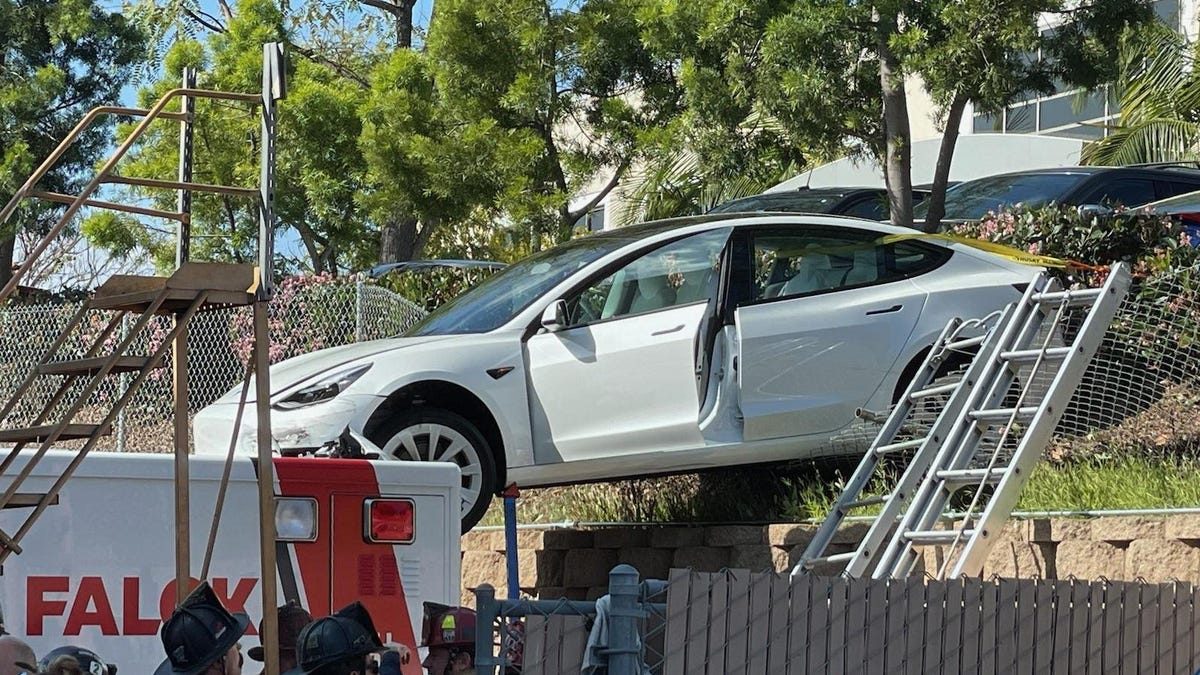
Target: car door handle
(668, 331)
(889, 310)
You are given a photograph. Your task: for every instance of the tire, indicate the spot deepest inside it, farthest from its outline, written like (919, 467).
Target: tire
(407, 437)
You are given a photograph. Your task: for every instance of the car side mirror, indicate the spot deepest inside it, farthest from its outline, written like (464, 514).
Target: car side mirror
(554, 318)
(1094, 211)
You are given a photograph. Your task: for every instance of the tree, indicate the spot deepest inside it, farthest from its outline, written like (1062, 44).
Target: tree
(58, 60)
(570, 87)
(1159, 93)
(833, 73)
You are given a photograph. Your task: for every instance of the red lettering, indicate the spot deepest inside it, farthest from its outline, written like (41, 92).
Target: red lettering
(166, 599)
(235, 602)
(37, 607)
(91, 593)
(131, 621)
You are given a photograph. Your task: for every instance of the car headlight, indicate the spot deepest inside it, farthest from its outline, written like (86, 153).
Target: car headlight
(323, 389)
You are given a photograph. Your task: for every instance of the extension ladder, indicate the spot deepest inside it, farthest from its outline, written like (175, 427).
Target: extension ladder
(1019, 351)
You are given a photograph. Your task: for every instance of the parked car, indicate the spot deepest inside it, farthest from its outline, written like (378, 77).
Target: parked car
(860, 202)
(1183, 208)
(670, 346)
(1079, 185)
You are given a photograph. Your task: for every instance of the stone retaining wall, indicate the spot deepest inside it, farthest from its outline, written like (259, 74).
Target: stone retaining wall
(574, 563)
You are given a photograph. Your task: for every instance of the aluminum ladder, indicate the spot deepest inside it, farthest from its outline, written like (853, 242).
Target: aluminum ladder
(1019, 357)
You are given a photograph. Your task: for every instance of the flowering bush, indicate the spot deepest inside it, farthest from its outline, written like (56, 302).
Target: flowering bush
(307, 313)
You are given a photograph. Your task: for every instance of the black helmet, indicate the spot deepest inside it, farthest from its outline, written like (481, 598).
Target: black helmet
(86, 660)
(198, 633)
(330, 640)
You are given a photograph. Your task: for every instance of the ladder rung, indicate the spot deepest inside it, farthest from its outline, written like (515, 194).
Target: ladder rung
(866, 501)
(1031, 355)
(40, 433)
(965, 343)
(836, 558)
(91, 366)
(1002, 414)
(970, 476)
(938, 537)
(1077, 298)
(933, 391)
(898, 447)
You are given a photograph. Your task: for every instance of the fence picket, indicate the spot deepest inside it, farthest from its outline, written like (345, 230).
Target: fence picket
(760, 621)
(972, 626)
(989, 628)
(737, 657)
(798, 620)
(817, 603)
(1130, 601)
(1041, 640)
(573, 643)
(534, 655)
(1181, 636)
(896, 613)
(1004, 658)
(1147, 649)
(697, 622)
(1164, 659)
(848, 638)
(777, 635)
(1102, 647)
(1193, 643)
(917, 606)
(718, 621)
(679, 583)
(1026, 630)
(839, 598)
(943, 627)
(1059, 650)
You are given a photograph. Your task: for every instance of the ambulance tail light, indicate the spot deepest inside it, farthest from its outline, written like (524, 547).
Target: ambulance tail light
(295, 519)
(389, 521)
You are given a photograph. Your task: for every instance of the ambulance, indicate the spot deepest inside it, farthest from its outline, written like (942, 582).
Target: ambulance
(98, 568)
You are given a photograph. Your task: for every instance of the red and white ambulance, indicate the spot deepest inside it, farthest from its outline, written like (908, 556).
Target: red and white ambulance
(98, 569)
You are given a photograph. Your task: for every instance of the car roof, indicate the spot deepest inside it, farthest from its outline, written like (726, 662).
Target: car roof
(1191, 169)
(748, 219)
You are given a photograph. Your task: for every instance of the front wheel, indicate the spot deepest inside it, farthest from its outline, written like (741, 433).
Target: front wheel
(435, 435)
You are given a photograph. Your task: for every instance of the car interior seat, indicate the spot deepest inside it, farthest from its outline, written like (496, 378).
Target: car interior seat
(653, 292)
(865, 268)
(812, 274)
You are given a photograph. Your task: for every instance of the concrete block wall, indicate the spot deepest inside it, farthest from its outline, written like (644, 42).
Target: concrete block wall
(574, 563)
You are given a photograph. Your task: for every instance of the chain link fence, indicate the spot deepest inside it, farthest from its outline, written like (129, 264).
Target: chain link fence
(738, 621)
(306, 314)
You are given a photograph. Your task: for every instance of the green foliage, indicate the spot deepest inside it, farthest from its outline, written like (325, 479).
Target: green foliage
(1159, 93)
(59, 59)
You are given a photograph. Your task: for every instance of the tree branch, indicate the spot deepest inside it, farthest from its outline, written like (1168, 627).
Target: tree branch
(214, 27)
(388, 7)
(340, 69)
(575, 215)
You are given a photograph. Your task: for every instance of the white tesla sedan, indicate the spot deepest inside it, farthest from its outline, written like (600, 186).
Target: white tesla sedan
(669, 346)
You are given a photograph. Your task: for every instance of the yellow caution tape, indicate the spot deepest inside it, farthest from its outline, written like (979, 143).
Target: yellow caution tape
(1014, 254)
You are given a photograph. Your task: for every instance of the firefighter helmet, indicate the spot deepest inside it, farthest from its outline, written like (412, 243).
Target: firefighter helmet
(199, 633)
(71, 660)
(330, 640)
(445, 626)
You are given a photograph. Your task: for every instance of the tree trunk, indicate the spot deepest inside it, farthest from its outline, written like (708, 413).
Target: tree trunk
(402, 239)
(404, 23)
(7, 247)
(898, 164)
(941, 173)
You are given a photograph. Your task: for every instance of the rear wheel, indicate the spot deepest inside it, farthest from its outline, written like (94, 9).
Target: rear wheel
(436, 435)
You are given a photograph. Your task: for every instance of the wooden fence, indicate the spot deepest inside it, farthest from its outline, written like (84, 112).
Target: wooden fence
(743, 622)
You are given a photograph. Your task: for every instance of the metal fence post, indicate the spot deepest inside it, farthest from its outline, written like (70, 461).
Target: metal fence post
(358, 309)
(486, 609)
(624, 654)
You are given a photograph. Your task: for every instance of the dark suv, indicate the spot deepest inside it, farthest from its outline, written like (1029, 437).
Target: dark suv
(860, 202)
(1104, 185)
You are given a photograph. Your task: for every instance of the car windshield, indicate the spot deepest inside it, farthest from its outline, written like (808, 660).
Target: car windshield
(500, 297)
(973, 199)
(799, 202)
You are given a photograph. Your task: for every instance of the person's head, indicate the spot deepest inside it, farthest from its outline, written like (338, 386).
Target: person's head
(334, 645)
(201, 637)
(292, 619)
(12, 653)
(449, 633)
(72, 660)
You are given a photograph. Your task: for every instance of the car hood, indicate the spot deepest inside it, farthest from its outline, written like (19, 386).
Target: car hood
(293, 371)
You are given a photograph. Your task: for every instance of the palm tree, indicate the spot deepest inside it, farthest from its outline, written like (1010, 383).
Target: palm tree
(1159, 93)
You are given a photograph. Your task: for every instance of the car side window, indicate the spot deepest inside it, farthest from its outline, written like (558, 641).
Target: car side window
(871, 207)
(1123, 191)
(679, 273)
(806, 263)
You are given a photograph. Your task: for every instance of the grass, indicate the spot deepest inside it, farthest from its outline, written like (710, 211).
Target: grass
(1124, 481)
